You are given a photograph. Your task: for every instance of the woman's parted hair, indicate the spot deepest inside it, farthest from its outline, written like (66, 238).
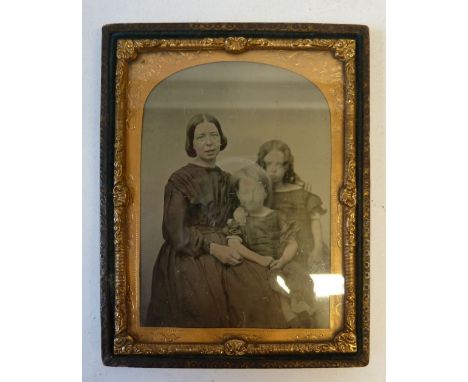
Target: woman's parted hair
(275, 144)
(193, 123)
(257, 173)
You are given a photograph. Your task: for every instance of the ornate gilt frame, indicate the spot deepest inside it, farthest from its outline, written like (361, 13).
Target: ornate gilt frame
(121, 45)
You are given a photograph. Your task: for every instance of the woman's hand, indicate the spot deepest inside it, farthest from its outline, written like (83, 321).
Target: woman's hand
(225, 254)
(277, 264)
(265, 261)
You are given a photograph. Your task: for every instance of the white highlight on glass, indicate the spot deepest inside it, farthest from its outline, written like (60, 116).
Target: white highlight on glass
(326, 285)
(282, 283)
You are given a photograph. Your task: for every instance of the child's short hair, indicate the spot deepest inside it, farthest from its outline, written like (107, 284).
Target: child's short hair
(257, 173)
(275, 144)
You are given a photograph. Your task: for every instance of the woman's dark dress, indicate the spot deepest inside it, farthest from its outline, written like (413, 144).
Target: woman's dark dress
(188, 283)
(191, 288)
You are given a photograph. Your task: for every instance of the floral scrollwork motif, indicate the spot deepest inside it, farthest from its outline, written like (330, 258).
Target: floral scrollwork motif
(235, 346)
(345, 50)
(235, 44)
(350, 321)
(169, 336)
(126, 50)
(233, 343)
(348, 196)
(121, 194)
(260, 43)
(123, 345)
(345, 342)
(120, 314)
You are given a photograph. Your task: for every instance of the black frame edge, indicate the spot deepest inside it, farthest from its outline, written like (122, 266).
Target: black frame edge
(107, 129)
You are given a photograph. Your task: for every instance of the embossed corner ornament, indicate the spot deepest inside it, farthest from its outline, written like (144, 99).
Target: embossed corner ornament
(123, 344)
(126, 50)
(345, 342)
(345, 50)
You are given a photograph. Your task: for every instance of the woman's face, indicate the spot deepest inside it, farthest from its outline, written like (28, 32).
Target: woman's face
(274, 166)
(251, 194)
(206, 141)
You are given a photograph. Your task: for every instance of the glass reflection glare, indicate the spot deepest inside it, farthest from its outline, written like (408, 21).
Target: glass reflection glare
(326, 285)
(282, 283)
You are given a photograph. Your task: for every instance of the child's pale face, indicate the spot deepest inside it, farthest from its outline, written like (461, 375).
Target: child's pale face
(251, 194)
(274, 166)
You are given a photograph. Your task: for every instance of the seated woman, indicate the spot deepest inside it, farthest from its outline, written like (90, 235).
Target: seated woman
(198, 280)
(188, 276)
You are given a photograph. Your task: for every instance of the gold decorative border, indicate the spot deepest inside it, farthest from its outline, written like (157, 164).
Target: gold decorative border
(345, 341)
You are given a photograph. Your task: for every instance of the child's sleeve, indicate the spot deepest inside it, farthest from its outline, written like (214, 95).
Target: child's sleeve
(288, 228)
(314, 204)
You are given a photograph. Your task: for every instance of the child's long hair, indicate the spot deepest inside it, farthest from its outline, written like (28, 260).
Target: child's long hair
(275, 144)
(257, 173)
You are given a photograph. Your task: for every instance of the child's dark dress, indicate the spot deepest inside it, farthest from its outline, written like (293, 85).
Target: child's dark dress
(250, 279)
(298, 205)
(267, 236)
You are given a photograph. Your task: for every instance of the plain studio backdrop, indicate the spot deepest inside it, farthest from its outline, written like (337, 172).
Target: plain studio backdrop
(254, 103)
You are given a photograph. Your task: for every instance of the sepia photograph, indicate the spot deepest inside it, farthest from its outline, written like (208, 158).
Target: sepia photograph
(235, 194)
(236, 212)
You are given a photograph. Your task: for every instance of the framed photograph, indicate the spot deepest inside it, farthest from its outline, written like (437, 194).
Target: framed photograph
(235, 195)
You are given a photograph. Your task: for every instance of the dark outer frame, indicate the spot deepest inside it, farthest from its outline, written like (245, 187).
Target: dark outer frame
(110, 34)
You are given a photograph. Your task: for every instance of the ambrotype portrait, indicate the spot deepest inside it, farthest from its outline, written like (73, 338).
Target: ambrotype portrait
(237, 224)
(235, 199)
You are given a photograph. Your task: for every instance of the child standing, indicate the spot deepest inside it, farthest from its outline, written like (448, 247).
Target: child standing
(300, 206)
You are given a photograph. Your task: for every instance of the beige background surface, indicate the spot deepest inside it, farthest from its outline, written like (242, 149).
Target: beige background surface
(254, 103)
(97, 13)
